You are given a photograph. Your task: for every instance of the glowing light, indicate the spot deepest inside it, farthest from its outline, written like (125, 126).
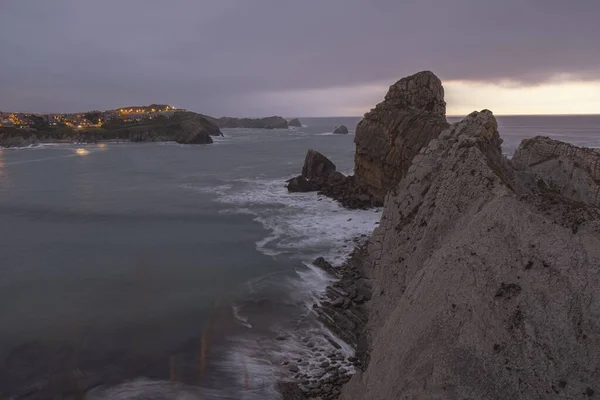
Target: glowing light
(81, 152)
(102, 145)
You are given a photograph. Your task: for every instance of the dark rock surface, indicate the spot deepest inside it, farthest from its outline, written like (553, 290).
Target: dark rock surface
(319, 174)
(274, 122)
(295, 122)
(341, 130)
(392, 134)
(387, 140)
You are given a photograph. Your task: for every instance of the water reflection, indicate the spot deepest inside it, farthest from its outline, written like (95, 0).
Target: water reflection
(4, 176)
(81, 152)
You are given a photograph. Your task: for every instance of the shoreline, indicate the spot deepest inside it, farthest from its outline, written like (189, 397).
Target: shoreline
(342, 310)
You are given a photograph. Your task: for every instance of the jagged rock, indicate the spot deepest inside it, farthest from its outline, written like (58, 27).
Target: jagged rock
(341, 130)
(391, 134)
(481, 288)
(316, 172)
(317, 166)
(572, 171)
(388, 138)
(295, 122)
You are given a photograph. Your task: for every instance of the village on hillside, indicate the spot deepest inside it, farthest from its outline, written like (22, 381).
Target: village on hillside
(87, 119)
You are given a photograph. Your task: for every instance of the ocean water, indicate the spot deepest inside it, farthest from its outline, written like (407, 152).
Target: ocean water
(160, 271)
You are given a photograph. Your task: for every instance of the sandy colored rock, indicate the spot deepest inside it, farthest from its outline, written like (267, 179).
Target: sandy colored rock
(482, 288)
(572, 171)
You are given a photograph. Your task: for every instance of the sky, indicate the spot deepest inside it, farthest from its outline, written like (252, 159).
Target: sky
(298, 57)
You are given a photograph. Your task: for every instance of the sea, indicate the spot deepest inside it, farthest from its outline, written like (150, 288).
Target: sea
(167, 271)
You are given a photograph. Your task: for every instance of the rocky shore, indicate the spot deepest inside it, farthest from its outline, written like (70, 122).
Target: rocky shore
(342, 309)
(480, 281)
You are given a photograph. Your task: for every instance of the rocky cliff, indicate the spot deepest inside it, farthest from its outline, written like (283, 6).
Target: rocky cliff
(484, 282)
(390, 135)
(572, 171)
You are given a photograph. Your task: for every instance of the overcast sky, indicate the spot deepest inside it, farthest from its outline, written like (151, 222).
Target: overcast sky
(297, 58)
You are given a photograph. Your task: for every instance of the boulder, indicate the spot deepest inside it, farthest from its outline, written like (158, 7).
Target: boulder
(573, 172)
(392, 134)
(341, 130)
(295, 123)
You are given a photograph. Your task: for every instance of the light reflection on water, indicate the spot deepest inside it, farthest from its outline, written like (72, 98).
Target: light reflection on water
(82, 152)
(5, 181)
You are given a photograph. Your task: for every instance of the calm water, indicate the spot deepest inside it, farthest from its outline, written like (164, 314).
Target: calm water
(162, 270)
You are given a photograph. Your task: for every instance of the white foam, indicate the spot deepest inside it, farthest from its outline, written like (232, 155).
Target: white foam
(243, 320)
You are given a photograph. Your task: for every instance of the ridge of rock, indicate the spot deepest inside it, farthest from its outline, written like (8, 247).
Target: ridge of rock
(483, 284)
(572, 171)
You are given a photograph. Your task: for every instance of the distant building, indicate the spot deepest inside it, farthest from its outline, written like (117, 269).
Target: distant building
(6, 122)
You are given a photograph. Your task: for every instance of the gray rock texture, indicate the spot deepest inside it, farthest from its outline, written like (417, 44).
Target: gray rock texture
(295, 122)
(390, 135)
(572, 171)
(341, 130)
(485, 285)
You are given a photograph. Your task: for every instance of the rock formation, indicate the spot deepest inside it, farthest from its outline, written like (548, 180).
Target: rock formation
(341, 130)
(319, 174)
(572, 171)
(484, 282)
(388, 138)
(390, 135)
(274, 122)
(295, 122)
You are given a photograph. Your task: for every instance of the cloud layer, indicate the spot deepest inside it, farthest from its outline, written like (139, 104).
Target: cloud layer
(239, 57)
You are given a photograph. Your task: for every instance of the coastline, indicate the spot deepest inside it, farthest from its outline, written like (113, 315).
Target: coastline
(342, 310)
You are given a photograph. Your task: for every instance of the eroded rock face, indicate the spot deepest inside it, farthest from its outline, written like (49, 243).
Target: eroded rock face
(316, 165)
(391, 134)
(341, 130)
(572, 171)
(482, 288)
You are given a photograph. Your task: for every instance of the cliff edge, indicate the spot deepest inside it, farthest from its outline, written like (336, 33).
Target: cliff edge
(484, 278)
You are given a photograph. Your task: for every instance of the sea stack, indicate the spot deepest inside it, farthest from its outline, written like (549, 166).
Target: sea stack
(295, 123)
(341, 130)
(390, 135)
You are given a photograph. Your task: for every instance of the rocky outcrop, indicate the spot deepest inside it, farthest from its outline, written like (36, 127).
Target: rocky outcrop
(274, 122)
(387, 140)
(319, 174)
(572, 171)
(390, 135)
(295, 123)
(341, 130)
(13, 137)
(316, 172)
(484, 284)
